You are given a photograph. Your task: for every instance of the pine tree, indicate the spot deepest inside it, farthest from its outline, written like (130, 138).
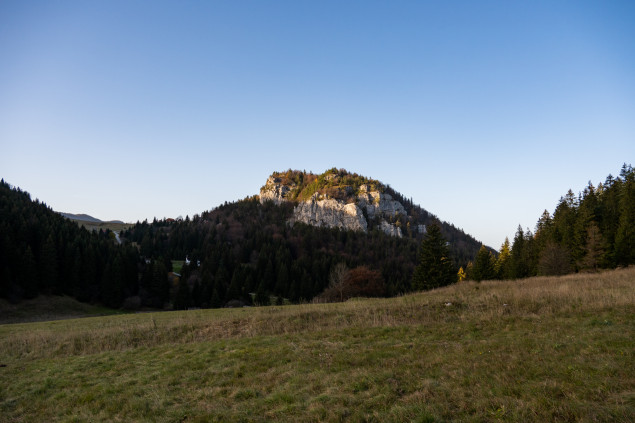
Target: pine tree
(435, 267)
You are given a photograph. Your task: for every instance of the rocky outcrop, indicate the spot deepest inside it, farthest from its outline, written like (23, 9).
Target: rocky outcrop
(390, 229)
(274, 190)
(322, 211)
(378, 204)
(330, 213)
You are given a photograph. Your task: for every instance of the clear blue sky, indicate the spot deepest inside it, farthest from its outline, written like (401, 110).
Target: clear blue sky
(484, 112)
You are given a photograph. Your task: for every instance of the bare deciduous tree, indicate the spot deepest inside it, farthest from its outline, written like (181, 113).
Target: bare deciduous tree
(337, 279)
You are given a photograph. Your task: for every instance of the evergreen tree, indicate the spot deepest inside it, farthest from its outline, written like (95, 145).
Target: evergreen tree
(112, 284)
(28, 276)
(593, 248)
(564, 223)
(554, 260)
(216, 301)
(160, 287)
(182, 300)
(234, 291)
(625, 236)
(262, 298)
(435, 267)
(282, 282)
(501, 266)
(48, 267)
(483, 268)
(519, 268)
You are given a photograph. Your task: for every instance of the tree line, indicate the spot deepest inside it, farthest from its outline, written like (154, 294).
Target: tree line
(593, 230)
(245, 252)
(42, 252)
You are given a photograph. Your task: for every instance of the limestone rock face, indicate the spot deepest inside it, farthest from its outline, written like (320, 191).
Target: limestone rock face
(274, 190)
(380, 204)
(330, 213)
(321, 210)
(390, 229)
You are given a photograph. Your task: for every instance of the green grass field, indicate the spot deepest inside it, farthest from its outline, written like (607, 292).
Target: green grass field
(177, 265)
(537, 350)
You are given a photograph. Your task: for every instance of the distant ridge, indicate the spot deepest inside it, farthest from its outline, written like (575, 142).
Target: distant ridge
(87, 218)
(82, 217)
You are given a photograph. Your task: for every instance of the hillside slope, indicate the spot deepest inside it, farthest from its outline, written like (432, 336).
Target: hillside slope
(340, 199)
(41, 252)
(256, 246)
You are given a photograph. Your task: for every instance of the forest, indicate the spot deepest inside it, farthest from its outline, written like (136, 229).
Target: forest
(593, 230)
(246, 248)
(42, 252)
(245, 253)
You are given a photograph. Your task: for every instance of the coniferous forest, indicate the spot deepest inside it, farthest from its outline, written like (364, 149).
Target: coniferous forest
(41, 252)
(246, 253)
(586, 232)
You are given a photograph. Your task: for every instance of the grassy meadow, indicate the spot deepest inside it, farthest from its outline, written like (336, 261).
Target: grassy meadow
(534, 350)
(45, 308)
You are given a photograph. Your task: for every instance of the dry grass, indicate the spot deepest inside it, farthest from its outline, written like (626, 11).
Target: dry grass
(533, 298)
(541, 349)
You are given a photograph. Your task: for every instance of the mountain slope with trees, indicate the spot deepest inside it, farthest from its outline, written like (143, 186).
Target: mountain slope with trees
(42, 252)
(248, 247)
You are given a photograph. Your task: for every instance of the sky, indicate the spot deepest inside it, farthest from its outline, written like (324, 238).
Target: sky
(484, 113)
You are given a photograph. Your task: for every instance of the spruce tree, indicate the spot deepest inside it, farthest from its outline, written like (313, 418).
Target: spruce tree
(593, 248)
(435, 267)
(183, 298)
(625, 236)
(519, 265)
(48, 267)
(483, 265)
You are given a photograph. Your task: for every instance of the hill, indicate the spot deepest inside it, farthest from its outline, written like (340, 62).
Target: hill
(263, 245)
(94, 224)
(340, 199)
(536, 350)
(80, 217)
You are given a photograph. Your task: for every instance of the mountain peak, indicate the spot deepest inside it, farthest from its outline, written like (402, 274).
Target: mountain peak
(298, 186)
(336, 198)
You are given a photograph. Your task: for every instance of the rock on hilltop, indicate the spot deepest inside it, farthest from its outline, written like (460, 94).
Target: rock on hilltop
(336, 199)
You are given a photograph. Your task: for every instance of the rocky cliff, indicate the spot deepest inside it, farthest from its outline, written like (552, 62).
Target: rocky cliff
(275, 190)
(337, 200)
(330, 213)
